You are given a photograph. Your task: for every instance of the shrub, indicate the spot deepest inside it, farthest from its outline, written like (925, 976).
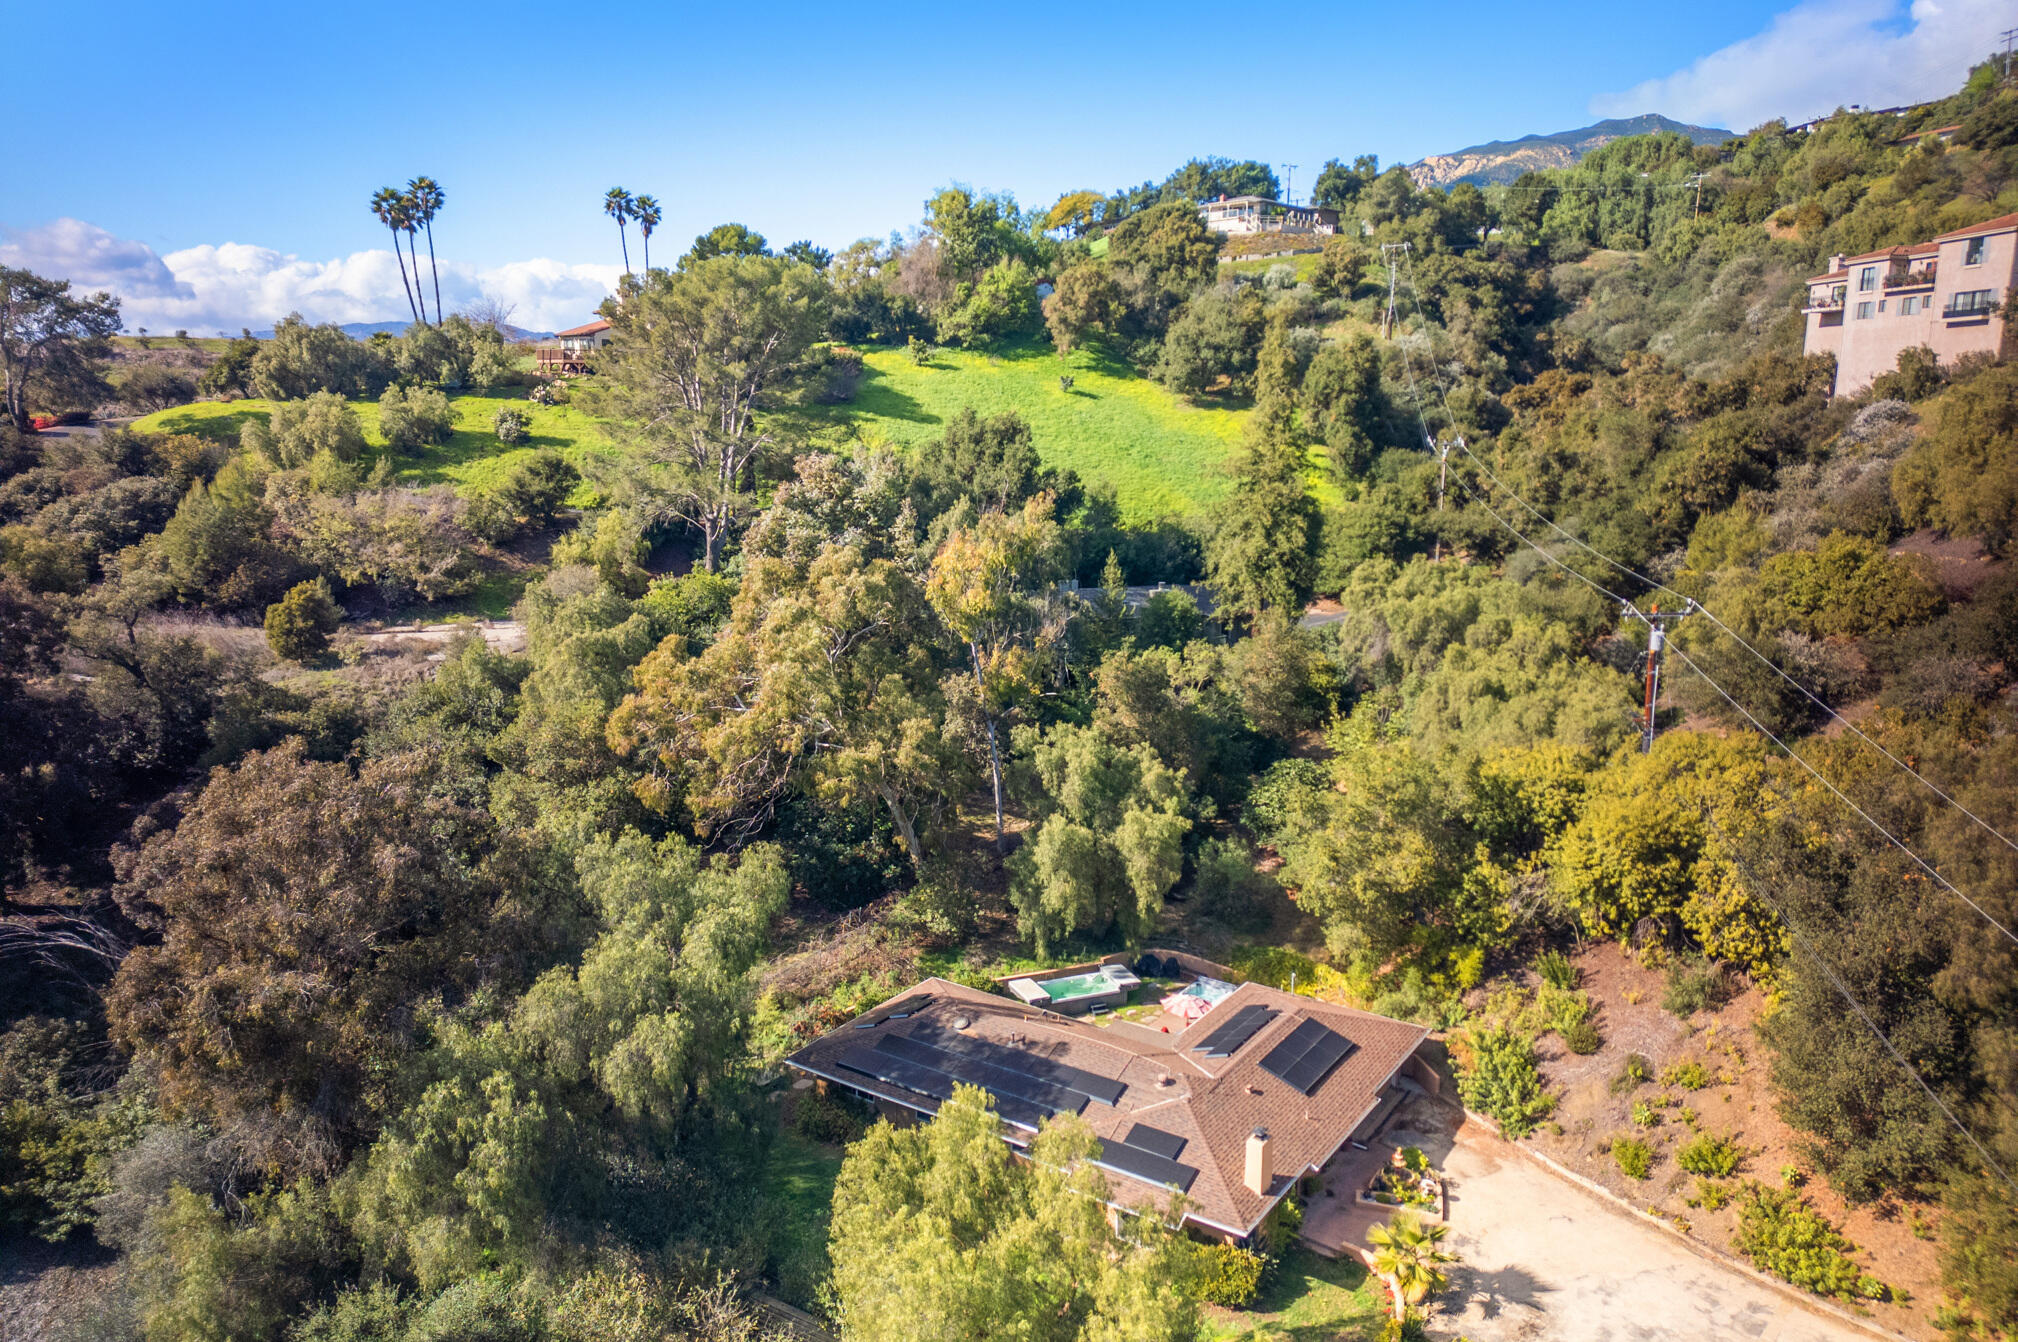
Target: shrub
(298, 625)
(1583, 1038)
(1711, 1156)
(1556, 970)
(1634, 1157)
(1688, 1075)
(1229, 1276)
(1695, 986)
(153, 387)
(1710, 1195)
(414, 419)
(512, 426)
(548, 393)
(1636, 1072)
(1782, 1235)
(296, 431)
(1283, 788)
(828, 1118)
(1645, 1115)
(1496, 1075)
(1227, 886)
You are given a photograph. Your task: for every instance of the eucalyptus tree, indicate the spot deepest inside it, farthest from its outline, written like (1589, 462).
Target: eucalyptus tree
(619, 205)
(428, 198)
(52, 339)
(645, 209)
(388, 206)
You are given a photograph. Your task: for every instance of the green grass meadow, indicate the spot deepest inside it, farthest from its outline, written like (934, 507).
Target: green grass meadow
(472, 459)
(1163, 456)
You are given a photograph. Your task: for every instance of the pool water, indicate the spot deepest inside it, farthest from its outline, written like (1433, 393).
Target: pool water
(1079, 985)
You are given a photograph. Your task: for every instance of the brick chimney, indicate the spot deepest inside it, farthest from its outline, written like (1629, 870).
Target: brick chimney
(1260, 1172)
(1836, 262)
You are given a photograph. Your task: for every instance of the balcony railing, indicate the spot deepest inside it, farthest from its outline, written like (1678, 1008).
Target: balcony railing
(1825, 303)
(1910, 277)
(1979, 303)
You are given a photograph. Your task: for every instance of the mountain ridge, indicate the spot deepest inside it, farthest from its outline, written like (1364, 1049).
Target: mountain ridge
(1500, 161)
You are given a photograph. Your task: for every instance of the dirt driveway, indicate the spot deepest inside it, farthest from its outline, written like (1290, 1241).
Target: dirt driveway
(1542, 1259)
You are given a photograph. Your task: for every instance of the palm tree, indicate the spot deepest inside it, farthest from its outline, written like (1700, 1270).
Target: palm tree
(428, 198)
(409, 219)
(387, 207)
(617, 204)
(646, 211)
(1409, 1255)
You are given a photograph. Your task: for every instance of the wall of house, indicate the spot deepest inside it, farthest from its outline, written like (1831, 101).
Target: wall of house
(1875, 324)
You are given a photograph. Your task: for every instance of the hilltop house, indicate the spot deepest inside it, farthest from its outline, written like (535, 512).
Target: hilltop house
(1233, 1099)
(1258, 214)
(1946, 294)
(569, 356)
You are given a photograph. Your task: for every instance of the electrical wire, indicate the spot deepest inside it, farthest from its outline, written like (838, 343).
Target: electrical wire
(1844, 797)
(1759, 892)
(1735, 637)
(1415, 298)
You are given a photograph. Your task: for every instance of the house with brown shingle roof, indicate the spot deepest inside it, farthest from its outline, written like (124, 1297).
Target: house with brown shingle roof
(577, 345)
(1229, 1110)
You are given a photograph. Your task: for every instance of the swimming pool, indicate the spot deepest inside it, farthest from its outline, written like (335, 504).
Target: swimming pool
(1107, 986)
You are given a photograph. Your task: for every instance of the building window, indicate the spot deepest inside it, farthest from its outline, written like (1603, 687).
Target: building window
(1908, 306)
(1881, 304)
(1863, 310)
(1868, 280)
(1975, 302)
(1974, 256)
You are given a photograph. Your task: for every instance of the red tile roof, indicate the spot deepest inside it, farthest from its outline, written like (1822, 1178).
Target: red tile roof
(2001, 224)
(1212, 1103)
(597, 325)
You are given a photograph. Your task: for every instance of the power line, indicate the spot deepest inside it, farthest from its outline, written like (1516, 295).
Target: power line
(1738, 639)
(1759, 892)
(1891, 838)
(1626, 605)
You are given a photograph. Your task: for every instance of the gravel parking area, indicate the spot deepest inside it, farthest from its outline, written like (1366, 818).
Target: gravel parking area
(1544, 1259)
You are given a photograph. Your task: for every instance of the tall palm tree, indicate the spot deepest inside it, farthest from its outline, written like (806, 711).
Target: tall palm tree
(409, 219)
(617, 204)
(428, 198)
(386, 207)
(1409, 1255)
(646, 211)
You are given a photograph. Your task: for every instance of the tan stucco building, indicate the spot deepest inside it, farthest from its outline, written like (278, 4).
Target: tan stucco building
(1944, 294)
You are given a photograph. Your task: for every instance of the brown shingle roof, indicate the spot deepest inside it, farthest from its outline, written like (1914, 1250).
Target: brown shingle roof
(589, 329)
(2000, 224)
(1212, 1103)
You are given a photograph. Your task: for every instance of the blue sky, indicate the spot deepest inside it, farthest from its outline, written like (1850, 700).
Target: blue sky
(183, 129)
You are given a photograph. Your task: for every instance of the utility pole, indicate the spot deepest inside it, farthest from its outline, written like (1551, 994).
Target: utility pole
(1442, 451)
(1697, 182)
(2010, 34)
(1658, 622)
(1387, 254)
(1289, 184)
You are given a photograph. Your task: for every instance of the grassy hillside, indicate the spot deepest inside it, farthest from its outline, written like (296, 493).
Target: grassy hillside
(1163, 456)
(472, 458)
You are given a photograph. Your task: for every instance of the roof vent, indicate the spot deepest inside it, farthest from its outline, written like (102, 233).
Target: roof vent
(961, 1022)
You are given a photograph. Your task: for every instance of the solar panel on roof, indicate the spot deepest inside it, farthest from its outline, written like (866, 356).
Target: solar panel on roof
(1225, 1041)
(1307, 1055)
(1146, 1165)
(988, 1076)
(907, 1074)
(1102, 1088)
(1155, 1141)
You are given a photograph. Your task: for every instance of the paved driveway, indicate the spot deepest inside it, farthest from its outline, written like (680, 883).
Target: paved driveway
(1544, 1259)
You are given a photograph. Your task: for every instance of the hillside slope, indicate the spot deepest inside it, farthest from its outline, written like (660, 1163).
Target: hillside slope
(1500, 161)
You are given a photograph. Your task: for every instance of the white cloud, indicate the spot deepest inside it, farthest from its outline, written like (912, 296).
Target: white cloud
(1822, 55)
(222, 287)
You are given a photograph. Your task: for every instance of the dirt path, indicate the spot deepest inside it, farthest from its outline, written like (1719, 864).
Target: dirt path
(502, 635)
(1543, 1259)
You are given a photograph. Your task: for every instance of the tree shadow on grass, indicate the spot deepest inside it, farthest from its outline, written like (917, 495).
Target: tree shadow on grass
(875, 396)
(206, 423)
